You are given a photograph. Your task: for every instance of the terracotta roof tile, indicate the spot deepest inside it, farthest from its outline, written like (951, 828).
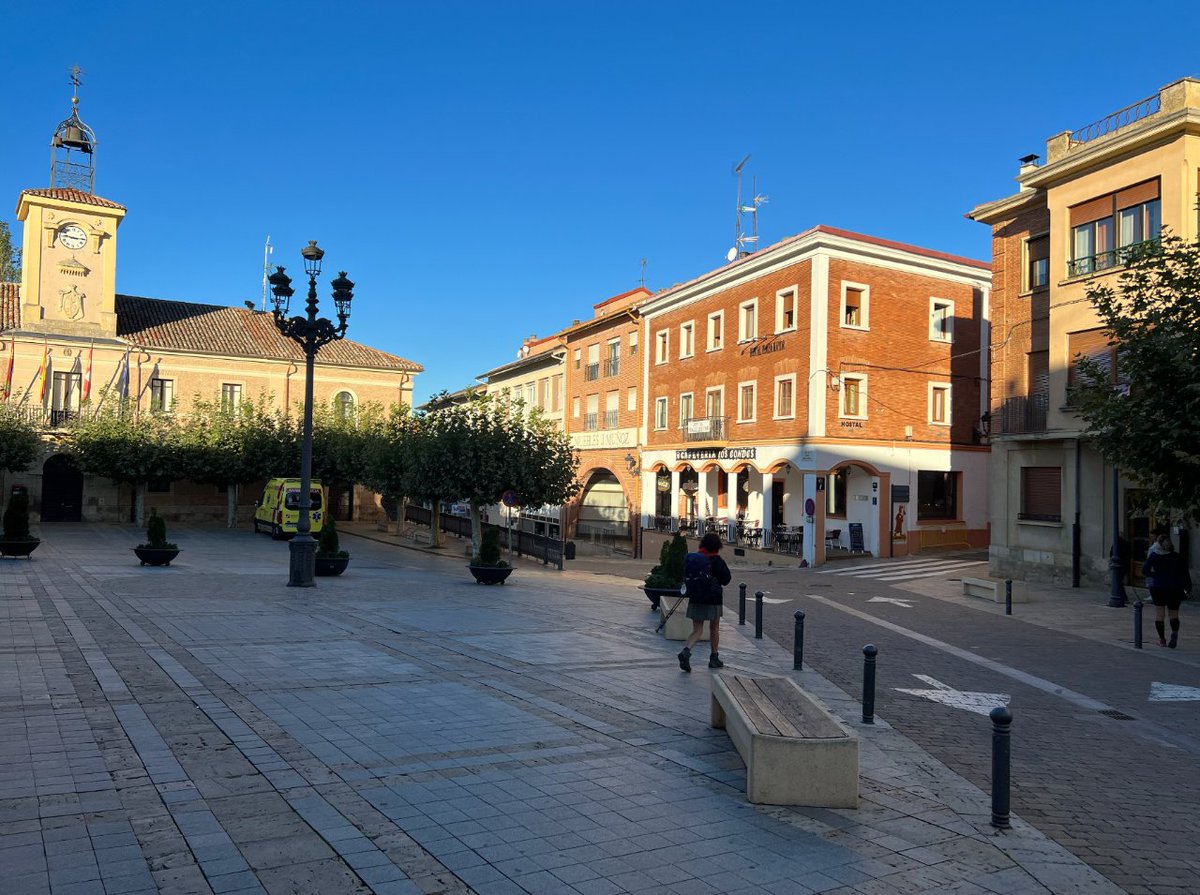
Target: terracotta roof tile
(69, 195)
(10, 305)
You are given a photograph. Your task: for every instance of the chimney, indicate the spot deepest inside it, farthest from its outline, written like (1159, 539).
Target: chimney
(1029, 163)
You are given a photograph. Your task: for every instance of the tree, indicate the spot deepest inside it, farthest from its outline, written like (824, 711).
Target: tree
(387, 449)
(10, 256)
(20, 441)
(1145, 419)
(117, 443)
(479, 450)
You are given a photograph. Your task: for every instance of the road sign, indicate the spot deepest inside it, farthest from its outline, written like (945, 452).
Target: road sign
(810, 507)
(980, 703)
(509, 498)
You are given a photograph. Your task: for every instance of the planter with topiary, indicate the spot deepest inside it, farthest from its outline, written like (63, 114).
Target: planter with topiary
(17, 540)
(488, 567)
(331, 558)
(157, 551)
(666, 578)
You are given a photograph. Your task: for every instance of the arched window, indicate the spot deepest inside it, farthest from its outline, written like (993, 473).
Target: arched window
(343, 403)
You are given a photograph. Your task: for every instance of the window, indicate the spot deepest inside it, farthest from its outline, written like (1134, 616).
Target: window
(714, 402)
(556, 382)
(343, 405)
(939, 403)
(748, 320)
(543, 393)
(1037, 263)
(685, 408)
(575, 407)
(633, 343)
(941, 320)
(1041, 493)
(747, 401)
(835, 493)
(162, 395)
(612, 364)
(1104, 230)
(591, 422)
(687, 339)
(1094, 345)
(785, 310)
(65, 398)
(631, 399)
(578, 359)
(716, 331)
(231, 395)
(937, 495)
(660, 413)
(530, 396)
(662, 346)
(785, 397)
(592, 371)
(854, 397)
(612, 409)
(855, 305)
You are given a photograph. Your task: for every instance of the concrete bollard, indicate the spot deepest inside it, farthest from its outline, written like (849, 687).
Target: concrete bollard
(758, 614)
(798, 642)
(868, 700)
(742, 603)
(1001, 761)
(1137, 623)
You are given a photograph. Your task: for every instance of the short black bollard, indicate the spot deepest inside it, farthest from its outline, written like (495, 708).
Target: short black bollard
(869, 654)
(742, 603)
(1001, 753)
(1137, 623)
(758, 619)
(798, 642)
(1008, 596)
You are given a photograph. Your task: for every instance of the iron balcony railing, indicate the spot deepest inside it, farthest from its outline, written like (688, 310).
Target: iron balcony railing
(46, 417)
(1119, 257)
(705, 428)
(591, 371)
(1118, 119)
(591, 422)
(612, 366)
(1020, 415)
(610, 419)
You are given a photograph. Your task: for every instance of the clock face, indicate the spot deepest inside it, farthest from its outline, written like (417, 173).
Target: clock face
(72, 237)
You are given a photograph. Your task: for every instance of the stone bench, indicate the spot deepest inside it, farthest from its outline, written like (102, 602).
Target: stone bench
(990, 590)
(796, 752)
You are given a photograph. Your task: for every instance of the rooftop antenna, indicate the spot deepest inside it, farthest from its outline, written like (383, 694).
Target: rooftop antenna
(737, 218)
(643, 280)
(267, 250)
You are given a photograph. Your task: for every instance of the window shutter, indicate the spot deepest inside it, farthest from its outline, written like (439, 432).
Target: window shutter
(1039, 373)
(1039, 248)
(1041, 493)
(1092, 211)
(1136, 195)
(1091, 343)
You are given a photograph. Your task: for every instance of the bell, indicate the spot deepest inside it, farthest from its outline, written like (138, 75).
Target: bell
(75, 137)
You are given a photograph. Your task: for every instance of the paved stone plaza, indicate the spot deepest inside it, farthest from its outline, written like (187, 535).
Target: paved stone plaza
(204, 728)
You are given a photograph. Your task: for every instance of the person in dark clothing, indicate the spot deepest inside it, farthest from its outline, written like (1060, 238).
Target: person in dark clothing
(1168, 580)
(707, 607)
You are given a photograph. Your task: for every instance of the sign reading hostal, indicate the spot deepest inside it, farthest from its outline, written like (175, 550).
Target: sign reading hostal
(605, 438)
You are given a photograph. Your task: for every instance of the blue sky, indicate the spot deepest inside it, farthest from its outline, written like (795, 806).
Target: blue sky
(486, 171)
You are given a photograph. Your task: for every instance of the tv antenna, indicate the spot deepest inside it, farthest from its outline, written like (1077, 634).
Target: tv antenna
(744, 243)
(267, 250)
(643, 273)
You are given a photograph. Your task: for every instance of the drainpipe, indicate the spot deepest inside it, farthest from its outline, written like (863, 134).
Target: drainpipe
(1076, 548)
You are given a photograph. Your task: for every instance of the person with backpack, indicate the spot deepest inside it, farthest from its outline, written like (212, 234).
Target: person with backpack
(1168, 581)
(704, 574)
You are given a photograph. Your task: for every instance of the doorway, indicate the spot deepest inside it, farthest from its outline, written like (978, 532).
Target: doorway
(62, 490)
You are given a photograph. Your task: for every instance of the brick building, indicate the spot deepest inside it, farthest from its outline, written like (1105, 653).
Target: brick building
(1102, 189)
(832, 382)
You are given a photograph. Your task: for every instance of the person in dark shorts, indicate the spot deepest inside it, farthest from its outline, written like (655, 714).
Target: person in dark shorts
(707, 607)
(1168, 580)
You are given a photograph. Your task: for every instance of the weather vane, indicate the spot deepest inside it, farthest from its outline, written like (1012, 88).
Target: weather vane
(76, 82)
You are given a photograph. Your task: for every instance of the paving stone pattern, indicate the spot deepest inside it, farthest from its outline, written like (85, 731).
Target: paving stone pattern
(203, 728)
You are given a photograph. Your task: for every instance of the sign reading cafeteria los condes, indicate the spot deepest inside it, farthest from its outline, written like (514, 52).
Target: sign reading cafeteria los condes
(745, 453)
(604, 438)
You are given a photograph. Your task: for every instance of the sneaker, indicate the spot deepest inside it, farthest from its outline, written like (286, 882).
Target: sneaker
(1162, 642)
(714, 661)
(685, 659)
(1174, 641)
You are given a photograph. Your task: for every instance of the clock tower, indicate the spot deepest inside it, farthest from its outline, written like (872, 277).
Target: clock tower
(68, 269)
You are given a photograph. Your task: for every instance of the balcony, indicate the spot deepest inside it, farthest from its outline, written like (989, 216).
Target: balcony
(705, 428)
(610, 419)
(44, 417)
(1109, 260)
(591, 422)
(591, 371)
(612, 366)
(1020, 415)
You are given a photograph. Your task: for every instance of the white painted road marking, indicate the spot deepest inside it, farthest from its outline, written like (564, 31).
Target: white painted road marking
(907, 604)
(1160, 692)
(904, 570)
(980, 703)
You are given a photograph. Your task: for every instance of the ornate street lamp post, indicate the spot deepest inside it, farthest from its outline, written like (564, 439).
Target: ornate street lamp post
(310, 333)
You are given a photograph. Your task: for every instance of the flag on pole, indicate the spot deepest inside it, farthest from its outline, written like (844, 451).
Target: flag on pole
(42, 370)
(8, 371)
(87, 373)
(123, 381)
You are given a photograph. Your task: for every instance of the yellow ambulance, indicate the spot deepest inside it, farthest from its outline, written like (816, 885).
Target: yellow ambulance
(278, 512)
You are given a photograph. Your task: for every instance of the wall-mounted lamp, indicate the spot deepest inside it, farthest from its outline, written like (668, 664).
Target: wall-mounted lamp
(835, 383)
(984, 429)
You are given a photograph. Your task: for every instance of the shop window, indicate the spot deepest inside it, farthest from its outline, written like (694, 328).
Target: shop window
(835, 493)
(937, 495)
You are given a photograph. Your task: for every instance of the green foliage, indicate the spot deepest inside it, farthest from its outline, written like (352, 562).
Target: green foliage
(327, 542)
(489, 550)
(20, 441)
(10, 256)
(16, 517)
(387, 443)
(1148, 424)
(223, 445)
(669, 571)
(156, 534)
(115, 442)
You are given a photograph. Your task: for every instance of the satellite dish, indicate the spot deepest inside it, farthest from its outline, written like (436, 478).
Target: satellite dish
(731, 254)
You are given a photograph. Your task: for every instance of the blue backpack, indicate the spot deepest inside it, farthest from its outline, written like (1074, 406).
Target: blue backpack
(698, 581)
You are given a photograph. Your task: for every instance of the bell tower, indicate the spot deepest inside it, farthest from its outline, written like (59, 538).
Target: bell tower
(69, 251)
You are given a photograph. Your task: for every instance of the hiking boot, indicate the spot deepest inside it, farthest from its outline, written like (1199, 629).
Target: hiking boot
(685, 659)
(714, 661)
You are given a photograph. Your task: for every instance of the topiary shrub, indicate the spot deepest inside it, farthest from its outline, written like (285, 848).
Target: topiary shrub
(489, 550)
(156, 534)
(16, 517)
(669, 571)
(328, 545)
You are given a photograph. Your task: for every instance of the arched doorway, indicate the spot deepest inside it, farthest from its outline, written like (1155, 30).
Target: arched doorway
(62, 490)
(603, 508)
(852, 499)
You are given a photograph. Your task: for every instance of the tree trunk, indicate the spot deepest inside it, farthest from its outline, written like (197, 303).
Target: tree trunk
(231, 502)
(476, 528)
(139, 504)
(401, 512)
(435, 523)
